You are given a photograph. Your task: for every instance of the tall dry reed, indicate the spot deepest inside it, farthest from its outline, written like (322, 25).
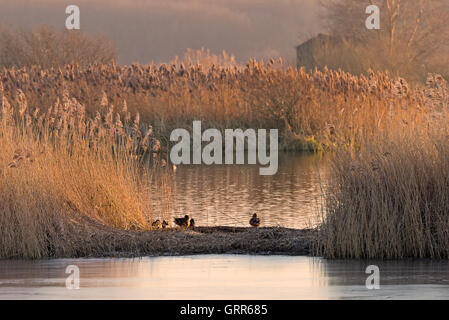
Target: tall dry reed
(389, 198)
(313, 110)
(386, 197)
(65, 177)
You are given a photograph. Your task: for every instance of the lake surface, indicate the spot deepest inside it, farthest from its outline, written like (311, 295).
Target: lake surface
(223, 277)
(230, 194)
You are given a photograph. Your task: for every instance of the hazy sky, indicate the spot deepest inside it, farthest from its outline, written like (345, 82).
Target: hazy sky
(158, 30)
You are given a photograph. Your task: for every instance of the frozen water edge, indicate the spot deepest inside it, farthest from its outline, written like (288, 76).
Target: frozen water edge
(223, 277)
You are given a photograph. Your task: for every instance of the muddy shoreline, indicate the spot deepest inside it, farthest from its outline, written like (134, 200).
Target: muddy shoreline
(201, 240)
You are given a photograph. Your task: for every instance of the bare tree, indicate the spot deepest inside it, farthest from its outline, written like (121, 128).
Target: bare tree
(48, 48)
(413, 33)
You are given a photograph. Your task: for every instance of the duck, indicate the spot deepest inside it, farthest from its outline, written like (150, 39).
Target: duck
(254, 221)
(183, 222)
(157, 224)
(192, 223)
(164, 224)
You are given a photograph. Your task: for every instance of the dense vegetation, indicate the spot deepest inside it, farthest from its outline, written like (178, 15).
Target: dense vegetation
(65, 176)
(313, 110)
(75, 161)
(46, 47)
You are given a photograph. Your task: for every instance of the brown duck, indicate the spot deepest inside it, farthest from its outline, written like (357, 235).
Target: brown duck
(254, 221)
(183, 222)
(157, 224)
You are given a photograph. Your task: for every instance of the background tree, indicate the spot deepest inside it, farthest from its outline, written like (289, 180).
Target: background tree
(49, 48)
(413, 37)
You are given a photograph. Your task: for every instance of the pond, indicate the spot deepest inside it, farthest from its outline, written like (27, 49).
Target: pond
(227, 195)
(223, 277)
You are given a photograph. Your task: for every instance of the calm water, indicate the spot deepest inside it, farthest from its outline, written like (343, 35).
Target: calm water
(222, 277)
(229, 194)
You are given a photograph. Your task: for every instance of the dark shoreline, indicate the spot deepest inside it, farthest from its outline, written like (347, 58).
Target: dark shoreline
(201, 240)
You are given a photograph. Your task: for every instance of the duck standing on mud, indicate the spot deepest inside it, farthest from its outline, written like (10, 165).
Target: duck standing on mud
(183, 222)
(254, 221)
(157, 224)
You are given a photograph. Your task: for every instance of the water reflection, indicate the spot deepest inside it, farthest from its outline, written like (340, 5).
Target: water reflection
(229, 194)
(223, 277)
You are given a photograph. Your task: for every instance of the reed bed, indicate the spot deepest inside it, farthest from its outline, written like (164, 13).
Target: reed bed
(389, 199)
(65, 176)
(76, 167)
(313, 110)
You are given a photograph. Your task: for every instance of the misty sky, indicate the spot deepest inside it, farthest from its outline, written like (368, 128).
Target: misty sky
(159, 30)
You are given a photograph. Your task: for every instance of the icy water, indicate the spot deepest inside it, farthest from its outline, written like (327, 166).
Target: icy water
(223, 277)
(229, 194)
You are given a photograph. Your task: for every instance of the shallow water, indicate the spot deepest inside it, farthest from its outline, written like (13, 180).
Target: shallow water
(229, 194)
(223, 277)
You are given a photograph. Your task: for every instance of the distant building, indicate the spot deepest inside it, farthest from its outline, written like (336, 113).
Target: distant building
(307, 52)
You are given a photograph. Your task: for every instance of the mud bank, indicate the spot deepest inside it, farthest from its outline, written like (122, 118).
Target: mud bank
(201, 240)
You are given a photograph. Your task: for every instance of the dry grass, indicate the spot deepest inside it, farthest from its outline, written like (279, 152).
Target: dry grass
(389, 199)
(313, 110)
(72, 177)
(62, 175)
